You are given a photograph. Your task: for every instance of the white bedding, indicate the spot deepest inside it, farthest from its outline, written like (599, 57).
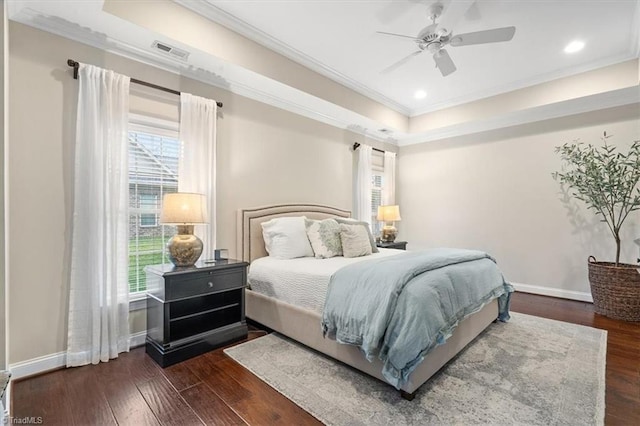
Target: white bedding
(303, 281)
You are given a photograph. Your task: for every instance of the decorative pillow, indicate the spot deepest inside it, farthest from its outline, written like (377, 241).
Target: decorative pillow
(355, 240)
(324, 236)
(365, 225)
(286, 238)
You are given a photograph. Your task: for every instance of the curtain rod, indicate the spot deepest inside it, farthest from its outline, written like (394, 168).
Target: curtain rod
(356, 145)
(75, 66)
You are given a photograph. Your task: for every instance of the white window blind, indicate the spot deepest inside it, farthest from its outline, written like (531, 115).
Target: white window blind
(153, 171)
(148, 202)
(377, 182)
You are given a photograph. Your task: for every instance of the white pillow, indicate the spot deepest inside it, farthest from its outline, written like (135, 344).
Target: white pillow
(355, 240)
(286, 238)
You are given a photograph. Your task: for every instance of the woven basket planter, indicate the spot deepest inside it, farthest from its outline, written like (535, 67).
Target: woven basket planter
(615, 289)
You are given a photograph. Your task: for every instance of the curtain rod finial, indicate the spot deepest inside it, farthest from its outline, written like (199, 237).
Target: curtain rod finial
(75, 66)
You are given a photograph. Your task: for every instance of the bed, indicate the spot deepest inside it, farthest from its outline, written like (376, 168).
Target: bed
(303, 323)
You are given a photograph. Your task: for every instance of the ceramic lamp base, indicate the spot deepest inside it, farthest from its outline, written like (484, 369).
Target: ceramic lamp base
(389, 234)
(184, 249)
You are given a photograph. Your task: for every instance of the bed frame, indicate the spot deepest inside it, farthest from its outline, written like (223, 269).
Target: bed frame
(303, 325)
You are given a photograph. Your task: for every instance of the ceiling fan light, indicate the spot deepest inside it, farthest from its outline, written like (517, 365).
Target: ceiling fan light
(420, 94)
(574, 46)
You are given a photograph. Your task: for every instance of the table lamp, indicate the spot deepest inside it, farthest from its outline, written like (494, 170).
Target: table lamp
(389, 214)
(184, 209)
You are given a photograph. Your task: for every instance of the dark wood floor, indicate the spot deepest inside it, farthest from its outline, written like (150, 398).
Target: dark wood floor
(213, 389)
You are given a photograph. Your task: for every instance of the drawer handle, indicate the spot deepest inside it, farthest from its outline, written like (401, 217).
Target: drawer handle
(210, 284)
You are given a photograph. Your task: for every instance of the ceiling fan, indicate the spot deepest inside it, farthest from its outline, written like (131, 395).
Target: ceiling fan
(435, 37)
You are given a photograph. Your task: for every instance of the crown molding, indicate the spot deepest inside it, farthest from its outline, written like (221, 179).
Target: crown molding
(597, 102)
(262, 89)
(84, 35)
(523, 84)
(215, 14)
(238, 80)
(219, 16)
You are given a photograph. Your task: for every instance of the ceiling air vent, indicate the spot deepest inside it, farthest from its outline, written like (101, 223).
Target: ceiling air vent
(170, 50)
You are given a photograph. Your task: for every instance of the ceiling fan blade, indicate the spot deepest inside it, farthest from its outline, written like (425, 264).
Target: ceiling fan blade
(396, 35)
(479, 37)
(453, 13)
(400, 62)
(444, 62)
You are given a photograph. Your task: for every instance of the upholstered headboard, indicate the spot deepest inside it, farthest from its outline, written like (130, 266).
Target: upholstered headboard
(250, 244)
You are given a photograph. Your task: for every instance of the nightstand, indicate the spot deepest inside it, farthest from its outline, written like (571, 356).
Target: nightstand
(191, 310)
(400, 245)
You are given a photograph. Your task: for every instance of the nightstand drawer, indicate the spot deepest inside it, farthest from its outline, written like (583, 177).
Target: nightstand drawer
(203, 283)
(207, 302)
(183, 328)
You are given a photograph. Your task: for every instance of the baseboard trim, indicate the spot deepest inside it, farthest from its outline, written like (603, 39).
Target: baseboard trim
(137, 339)
(39, 365)
(554, 292)
(46, 363)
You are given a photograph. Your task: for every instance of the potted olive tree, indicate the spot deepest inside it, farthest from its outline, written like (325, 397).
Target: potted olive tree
(606, 180)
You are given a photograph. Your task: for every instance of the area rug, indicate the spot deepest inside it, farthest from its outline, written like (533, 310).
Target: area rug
(529, 371)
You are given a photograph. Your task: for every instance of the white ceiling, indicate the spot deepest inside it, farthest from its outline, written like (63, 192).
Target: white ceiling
(339, 39)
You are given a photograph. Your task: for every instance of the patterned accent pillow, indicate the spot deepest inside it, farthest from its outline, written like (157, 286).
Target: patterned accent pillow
(355, 240)
(349, 221)
(324, 236)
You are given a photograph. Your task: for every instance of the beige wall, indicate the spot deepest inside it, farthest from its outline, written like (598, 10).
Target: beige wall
(495, 192)
(265, 155)
(491, 191)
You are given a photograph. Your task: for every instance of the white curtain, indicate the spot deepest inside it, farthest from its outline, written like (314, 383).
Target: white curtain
(389, 182)
(99, 290)
(197, 167)
(362, 193)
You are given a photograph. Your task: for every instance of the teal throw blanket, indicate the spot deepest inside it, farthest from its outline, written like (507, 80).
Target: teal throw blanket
(400, 307)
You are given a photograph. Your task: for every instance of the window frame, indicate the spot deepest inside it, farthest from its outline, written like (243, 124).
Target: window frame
(155, 212)
(163, 128)
(376, 170)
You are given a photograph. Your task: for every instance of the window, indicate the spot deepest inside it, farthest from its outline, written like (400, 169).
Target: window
(377, 183)
(148, 203)
(153, 171)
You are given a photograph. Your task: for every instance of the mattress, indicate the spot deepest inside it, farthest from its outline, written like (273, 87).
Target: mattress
(303, 281)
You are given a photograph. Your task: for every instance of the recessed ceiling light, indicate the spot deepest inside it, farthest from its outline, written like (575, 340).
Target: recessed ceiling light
(574, 46)
(420, 94)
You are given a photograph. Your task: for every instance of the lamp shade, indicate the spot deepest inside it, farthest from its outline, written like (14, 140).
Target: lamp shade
(389, 213)
(182, 208)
